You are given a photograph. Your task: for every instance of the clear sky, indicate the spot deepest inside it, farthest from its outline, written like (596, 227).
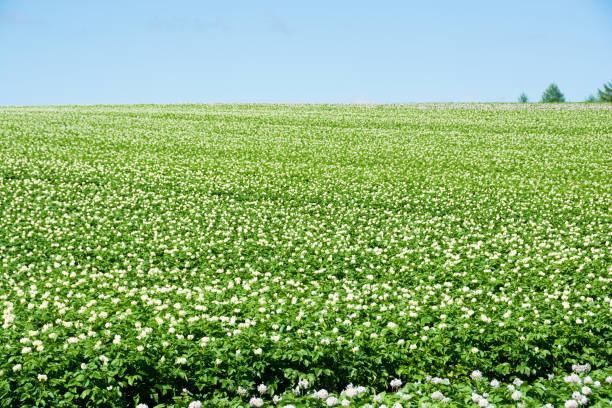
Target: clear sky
(88, 52)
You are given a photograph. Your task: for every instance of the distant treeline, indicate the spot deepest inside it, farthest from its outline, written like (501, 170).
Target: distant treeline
(553, 94)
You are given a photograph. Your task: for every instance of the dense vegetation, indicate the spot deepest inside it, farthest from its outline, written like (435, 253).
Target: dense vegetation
(448, 255)
(552, 94)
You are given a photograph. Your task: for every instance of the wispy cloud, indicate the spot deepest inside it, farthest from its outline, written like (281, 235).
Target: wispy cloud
(277, 24)
(179, 23)
(21, 19)
(271, 22)
(361, 101)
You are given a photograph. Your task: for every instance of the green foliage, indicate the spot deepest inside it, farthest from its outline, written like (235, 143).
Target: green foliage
(552, 94)
(523, 98)
(162, 255)
(605, 95)
(590, 99)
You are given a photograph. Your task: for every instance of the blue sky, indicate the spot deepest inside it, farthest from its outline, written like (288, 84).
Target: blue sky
(86, 52)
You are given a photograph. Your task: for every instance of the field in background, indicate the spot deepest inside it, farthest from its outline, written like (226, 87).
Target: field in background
(169, 254)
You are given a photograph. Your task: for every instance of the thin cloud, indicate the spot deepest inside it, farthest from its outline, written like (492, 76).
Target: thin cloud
(277, 24)
(180, 23)
(361, 101)
(21, 19)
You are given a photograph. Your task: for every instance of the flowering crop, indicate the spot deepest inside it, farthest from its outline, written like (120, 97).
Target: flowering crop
(261, 255)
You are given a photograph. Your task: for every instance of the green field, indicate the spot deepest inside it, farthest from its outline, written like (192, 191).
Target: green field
(169, 254)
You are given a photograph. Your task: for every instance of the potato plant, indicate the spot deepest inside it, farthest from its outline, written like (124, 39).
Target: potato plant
(306, 256)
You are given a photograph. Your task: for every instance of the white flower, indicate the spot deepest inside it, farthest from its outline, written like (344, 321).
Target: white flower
(42, 377)
(321, 394)
(256, 402)
(181, 360)
(195, 404)
(16, 367)
(476, 375)
(516, 395)
(345, 402)
(581, 368)
(257, 351)
(437, 395)
(396, 383)
(142, 406)
(262, 388)
(331, 401)
(303, 383)
(494, 383)
(571, 403)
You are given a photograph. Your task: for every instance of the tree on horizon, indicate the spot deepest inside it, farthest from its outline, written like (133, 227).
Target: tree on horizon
(553, 94)
(523, 98)
(606, 94)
